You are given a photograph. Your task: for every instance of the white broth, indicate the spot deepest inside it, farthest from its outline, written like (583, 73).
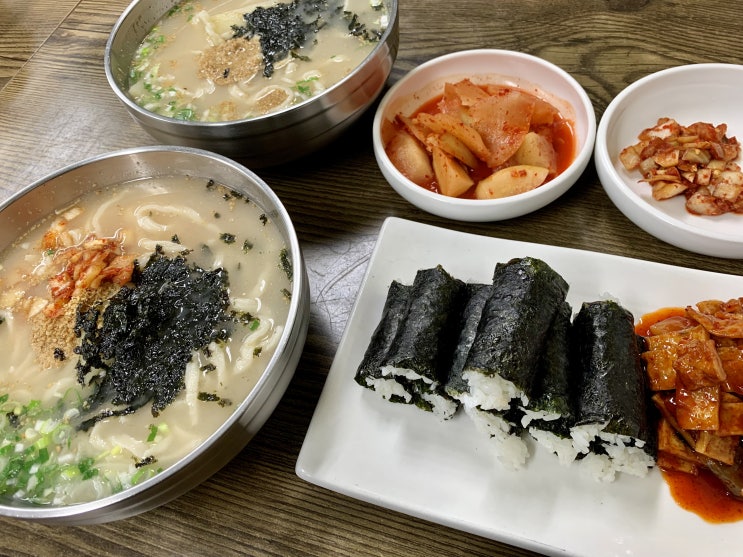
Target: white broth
(220, 60)
(191, 283)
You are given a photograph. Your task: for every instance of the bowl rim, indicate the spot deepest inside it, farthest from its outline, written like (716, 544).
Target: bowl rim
(619, 186)
(297, 316)
(580, 161)
(392, 26)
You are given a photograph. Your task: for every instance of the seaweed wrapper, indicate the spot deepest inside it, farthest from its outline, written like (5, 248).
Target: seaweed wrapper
(612, 385)
(474, 297)
(369, 373)
(517, 316)
(554, 389)
(419, 351)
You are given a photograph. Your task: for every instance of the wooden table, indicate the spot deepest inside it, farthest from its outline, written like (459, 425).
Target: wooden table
(56, 108)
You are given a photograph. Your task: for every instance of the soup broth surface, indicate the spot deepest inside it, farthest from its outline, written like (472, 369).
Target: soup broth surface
(58, 444)
(220, 60)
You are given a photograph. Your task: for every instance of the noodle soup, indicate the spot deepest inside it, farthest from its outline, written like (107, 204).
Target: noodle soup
(133, 324)
(221, 60)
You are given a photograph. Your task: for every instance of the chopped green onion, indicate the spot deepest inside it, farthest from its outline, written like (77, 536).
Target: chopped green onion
(31, 438)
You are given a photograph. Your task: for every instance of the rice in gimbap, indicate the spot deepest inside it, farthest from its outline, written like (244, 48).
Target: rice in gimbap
(612, 431)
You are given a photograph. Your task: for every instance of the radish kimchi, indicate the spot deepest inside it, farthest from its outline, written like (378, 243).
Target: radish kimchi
(481, 141)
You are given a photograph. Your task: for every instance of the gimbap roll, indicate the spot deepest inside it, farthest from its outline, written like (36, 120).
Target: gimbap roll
(502, 362)
(420, 352)
(369, 372)
(612, 429)
(551, 409)
(473, 301)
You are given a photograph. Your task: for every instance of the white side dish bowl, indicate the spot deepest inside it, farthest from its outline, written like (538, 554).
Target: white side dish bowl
(488, 66)
(688, 94)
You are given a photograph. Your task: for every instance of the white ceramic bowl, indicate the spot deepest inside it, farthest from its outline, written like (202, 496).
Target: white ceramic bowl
(527, 72)
(688, 94)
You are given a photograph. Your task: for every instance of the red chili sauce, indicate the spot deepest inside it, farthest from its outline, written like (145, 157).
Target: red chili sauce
(703, 494)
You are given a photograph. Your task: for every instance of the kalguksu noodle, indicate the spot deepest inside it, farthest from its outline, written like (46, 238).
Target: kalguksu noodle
(132, 324)
(220, 60)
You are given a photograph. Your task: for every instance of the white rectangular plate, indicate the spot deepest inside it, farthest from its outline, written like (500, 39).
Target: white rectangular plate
(399, 457)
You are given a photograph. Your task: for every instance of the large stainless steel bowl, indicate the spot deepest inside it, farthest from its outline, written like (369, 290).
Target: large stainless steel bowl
(57, 191)
(266, 140)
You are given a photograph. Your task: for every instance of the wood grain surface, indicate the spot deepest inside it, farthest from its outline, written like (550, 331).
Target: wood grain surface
(24, 26)
(56, 108)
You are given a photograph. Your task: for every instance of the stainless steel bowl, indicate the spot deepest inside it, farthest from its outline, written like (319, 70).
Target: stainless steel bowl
(263, 141)
(57, 191)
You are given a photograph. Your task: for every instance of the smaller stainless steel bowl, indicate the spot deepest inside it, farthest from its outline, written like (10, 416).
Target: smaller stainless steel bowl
(266, 140)
(57, 191)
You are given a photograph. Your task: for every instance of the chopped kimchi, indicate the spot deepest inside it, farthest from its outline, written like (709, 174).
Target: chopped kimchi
(480, 141)
(696, 161)
(694, 364)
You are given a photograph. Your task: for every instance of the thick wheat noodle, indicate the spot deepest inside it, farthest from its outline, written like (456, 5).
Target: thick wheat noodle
(191, 386)
(263, 338)
(95, 220)
(149, 224)
(168, 248)
(246, 305)
(219, 359)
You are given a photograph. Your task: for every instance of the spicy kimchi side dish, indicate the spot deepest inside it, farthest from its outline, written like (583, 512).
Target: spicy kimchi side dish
(696, 161)
(132, 325)
(481, 141)
(694, 362)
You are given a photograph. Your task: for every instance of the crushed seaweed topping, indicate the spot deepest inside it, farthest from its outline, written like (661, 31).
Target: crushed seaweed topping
(285, 28)
(146, 461)
(137, 349)
(232, 194)
(227, 237)
(211, 397)
(285, 263)
(359, 29)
